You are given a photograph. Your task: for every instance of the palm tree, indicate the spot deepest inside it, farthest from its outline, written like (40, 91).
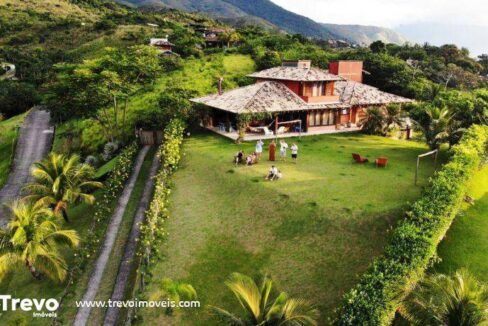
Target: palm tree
(374, 121)
(458, 300)
(174, 291)
(437, 126)
(392, 117)
(260, 309)
(60, 181)
(34, 239)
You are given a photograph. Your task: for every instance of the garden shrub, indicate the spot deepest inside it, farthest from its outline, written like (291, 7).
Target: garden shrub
(413, 245)
(152, 230)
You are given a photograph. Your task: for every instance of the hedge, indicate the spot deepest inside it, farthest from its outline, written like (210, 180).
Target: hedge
(152, 230)
(412, 247)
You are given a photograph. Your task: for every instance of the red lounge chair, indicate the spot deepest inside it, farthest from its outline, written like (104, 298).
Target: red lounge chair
(359, 159)
(381, 162)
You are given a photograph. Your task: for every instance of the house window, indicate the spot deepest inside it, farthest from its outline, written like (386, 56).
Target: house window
(317, 118)
(345, 111)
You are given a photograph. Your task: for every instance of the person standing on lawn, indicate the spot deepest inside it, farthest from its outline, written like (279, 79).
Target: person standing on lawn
(283, 149)
(259, 148)
(294, 152)
(272, 151)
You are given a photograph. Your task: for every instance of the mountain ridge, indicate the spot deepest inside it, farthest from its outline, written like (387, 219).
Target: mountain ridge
(270, 14)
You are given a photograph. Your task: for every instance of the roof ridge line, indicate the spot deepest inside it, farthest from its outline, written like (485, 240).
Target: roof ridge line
(255, 94)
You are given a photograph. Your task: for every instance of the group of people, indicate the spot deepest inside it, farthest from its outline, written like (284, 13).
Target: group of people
(249, 160)
(274, 173)
(283, 150)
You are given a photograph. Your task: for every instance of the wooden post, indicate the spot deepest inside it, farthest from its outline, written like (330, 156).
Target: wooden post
(276, 125)
(417, 169)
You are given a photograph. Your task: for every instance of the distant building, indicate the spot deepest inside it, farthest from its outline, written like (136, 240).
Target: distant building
(162, 44)
(213, 37)
(297, 98)
(7, 71)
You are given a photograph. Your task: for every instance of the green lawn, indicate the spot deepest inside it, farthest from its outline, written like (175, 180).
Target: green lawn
(466, 244)
(8, 134)
(313, 232)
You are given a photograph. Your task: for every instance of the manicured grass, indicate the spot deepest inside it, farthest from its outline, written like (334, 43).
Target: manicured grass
(466, 244)
(313, 232)
(108, 281)
(8, 134)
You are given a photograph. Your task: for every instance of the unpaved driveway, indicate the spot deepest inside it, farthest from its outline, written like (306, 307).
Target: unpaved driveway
(108, 243)
(34, 142)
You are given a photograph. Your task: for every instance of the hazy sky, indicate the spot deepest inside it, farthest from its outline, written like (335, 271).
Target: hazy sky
(390, 13)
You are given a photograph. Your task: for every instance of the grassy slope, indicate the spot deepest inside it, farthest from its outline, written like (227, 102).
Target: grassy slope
(466, 243)
(313, 232)
(8, 134)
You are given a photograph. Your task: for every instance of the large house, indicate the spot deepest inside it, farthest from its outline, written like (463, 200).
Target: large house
(296, 99)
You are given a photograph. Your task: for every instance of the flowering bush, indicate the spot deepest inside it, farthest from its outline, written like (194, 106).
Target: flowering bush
(413, 245)
(152, 230)
(104, 208)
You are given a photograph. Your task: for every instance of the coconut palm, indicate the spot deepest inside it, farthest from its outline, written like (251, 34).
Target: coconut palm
(458, 300)
(34, 239)
(60, 181)
(260, 309)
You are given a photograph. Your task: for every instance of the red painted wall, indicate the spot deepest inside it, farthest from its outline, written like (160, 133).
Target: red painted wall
(294, 86)
(352, 70)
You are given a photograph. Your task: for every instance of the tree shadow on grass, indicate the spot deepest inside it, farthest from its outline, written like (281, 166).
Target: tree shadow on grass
(222, 256)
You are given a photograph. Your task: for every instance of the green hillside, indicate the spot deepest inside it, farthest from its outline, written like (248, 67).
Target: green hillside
(270, 15)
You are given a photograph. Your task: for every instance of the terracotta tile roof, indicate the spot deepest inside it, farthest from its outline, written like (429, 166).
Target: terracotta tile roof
(354, 93)
(273, 96)
(260, 97)
(296, 74)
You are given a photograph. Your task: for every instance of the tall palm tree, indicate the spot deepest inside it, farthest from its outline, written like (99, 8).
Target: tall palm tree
(458, 300)
(34, 239)
(60, 181)
(260, 309)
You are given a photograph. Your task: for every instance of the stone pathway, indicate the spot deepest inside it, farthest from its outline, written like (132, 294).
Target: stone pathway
(126, 264)
(33, 144)
(112, 230)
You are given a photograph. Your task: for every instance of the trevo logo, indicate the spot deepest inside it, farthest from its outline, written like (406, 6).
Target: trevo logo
(7, 303)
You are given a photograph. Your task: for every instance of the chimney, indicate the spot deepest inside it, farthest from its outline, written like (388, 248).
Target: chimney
(221, 79)
(304, 64)
(348, 69)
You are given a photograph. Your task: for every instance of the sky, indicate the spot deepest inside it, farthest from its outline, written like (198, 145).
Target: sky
(391, 13)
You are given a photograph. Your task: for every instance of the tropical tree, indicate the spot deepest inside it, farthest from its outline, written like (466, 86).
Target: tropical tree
(457, 300)
(437, 125)
(60, 181)
(392, 117)
(374, 121)
(33, 239)
(174, 291)
(261, 309)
